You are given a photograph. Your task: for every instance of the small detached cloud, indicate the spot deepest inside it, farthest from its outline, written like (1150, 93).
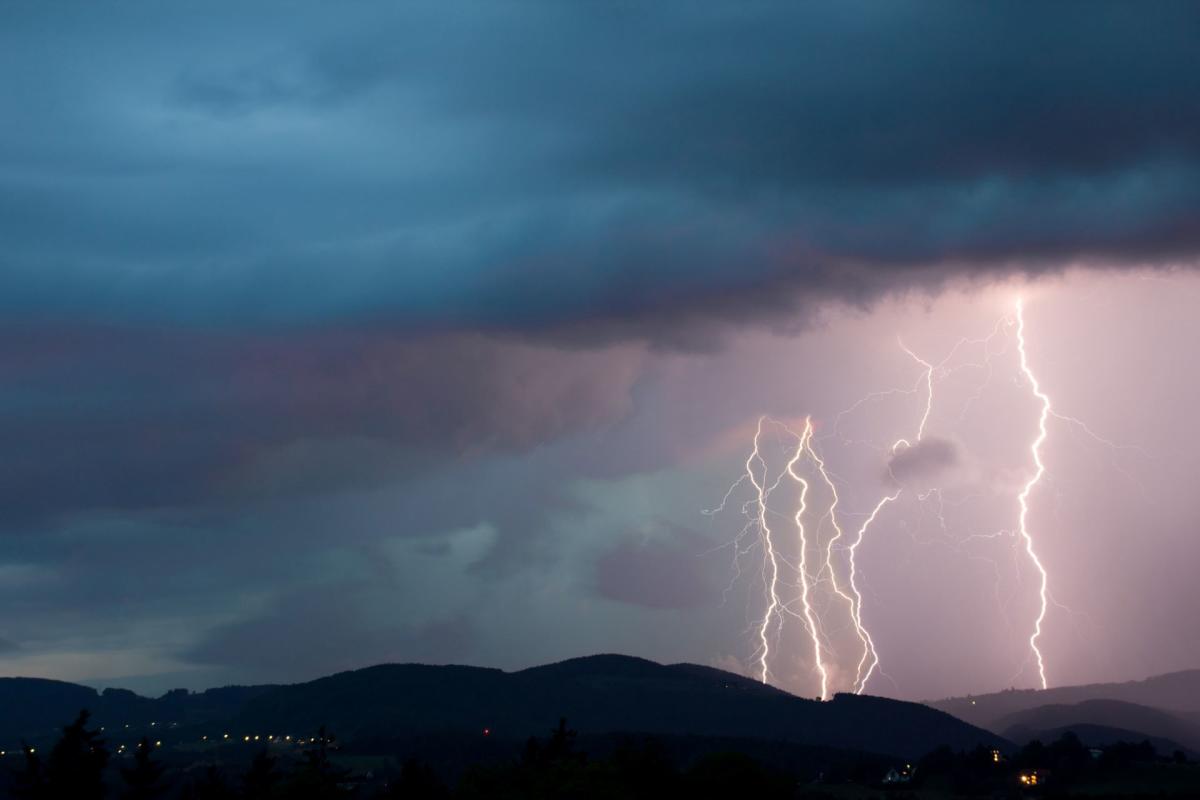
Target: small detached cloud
(927, 458)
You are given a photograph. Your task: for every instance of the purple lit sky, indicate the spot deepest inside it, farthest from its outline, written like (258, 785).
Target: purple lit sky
(332, 335)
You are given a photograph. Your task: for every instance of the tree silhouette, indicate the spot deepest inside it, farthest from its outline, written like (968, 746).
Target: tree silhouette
(261, 779)
(75, 766)
(417, 781)
(559, 747)
(143, 781)
(210, 786)
(317, 777)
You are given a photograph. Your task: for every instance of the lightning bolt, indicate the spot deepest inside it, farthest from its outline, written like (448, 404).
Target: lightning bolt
(854, 598)
(869, 653)
(1035, 450)
(806, 606)
(787, 599)
(928, 393)
(761, 491)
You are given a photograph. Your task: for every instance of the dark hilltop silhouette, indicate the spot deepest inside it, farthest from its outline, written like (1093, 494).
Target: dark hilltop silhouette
(603, 694)
(595, 727)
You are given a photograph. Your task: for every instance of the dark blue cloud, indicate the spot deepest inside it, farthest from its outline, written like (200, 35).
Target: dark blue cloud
(129, 419)
(580, 166)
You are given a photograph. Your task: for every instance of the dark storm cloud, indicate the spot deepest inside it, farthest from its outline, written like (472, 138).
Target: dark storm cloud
(657, 574)
(602, 169)
(927, 458)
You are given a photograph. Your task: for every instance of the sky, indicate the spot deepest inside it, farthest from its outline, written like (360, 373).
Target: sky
(340, 334)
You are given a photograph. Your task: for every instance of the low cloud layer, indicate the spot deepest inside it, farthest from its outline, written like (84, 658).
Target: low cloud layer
(167, 418)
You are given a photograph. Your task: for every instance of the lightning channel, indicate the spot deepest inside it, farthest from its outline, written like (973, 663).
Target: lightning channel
(869, 652)
(1035, 450)
(772, 612)
(870, 658)
(805, 604)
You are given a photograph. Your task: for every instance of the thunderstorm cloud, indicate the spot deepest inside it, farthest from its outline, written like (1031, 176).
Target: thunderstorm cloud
(404, 325)
(292, 164)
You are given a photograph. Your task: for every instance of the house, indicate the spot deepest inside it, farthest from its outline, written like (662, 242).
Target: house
(1033, 777)
(899, 775)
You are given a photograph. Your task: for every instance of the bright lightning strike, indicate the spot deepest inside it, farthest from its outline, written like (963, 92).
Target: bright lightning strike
(854, 598)
(806, 606)
(1023, 498)
(794, 591)
(869, 653)
(772, 613)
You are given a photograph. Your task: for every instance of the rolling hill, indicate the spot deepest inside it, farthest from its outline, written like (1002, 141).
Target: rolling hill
(602, 694)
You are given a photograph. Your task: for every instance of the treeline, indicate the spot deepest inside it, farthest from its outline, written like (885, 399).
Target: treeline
(80, 766)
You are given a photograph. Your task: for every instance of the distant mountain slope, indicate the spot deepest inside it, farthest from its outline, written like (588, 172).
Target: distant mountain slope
(1176, 692)
(600, 694)
(1108, 713)
(33, 707)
